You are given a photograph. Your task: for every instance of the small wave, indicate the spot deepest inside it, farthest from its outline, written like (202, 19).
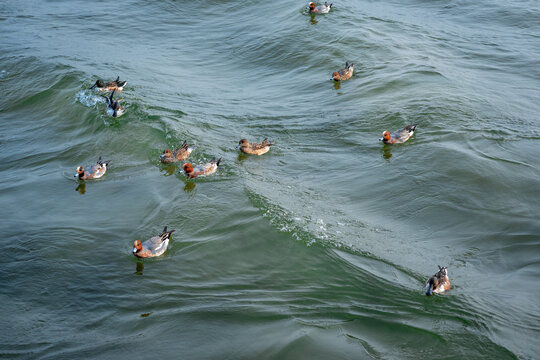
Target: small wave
(88, 99)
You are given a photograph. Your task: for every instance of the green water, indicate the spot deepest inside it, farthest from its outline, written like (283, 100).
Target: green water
(318, 249)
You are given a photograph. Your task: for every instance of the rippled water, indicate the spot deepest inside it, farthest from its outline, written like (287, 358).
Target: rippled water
(317, 250)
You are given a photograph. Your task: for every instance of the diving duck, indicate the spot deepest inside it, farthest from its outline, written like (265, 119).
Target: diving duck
(182, 153)
(201, 170)
(321, 9)
(154, 246)
(343, 74)
(398, 136)
(113, 108)
(438, 283)
(254, 148)
(93, 172)
(110, 85)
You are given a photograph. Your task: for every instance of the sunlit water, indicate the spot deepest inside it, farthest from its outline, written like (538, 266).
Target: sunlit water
(318, 249)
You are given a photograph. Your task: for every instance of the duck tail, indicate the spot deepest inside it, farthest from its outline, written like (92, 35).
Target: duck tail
(412, 127)
(93, 86)
(218, 162)
(184, 145)
(117, 79)
(166, 234)
(99, 161)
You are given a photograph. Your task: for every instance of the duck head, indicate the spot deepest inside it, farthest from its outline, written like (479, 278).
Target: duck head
(385, 136)
(188, 168)
(166, 154)
(80, 172)
(98, 83)
(335, 76)
(242, 143)
(137, 246)
(311, 6)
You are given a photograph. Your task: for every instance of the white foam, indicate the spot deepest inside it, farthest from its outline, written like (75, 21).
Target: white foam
(87, 98)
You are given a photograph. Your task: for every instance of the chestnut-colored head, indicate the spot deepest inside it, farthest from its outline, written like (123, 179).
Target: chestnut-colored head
(137, 246)
(167, 153)
(311, 6)
(80, 170)
(335, 76)
(188, 168)
(243, 142)
(386, 135)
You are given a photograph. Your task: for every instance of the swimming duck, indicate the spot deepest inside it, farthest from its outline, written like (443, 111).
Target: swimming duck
(154, 246)
(110, 85)
(201, 170)
(113, 106)
(94, 172)
(343, 74)
(182, 153)
(439, 282)
(398, 136)
(321, 9)
(254, 148)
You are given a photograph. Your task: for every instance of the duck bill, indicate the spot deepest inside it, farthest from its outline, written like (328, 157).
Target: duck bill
(134, 250)
(380, 139)
(237, 146)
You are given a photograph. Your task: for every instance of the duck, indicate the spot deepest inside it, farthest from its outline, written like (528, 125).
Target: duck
(439, 282)
(93, 172)
(321, 9)
(114, 108)
(254, 148)
(201, 170)
(182, 153)
(343, 74)
(154, 246)
(398, 136)
(109, 85)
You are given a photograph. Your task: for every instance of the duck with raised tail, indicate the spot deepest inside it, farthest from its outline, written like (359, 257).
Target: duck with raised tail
(398, 136)
(439, 282)
(154, 246)
(93, 172)
(109, 85)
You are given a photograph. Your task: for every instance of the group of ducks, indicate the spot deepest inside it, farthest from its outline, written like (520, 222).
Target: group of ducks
(439, 282)
(157, 245)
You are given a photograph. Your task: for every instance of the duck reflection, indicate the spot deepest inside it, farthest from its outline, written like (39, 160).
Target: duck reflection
(337, 85)
(190, 186)
(168, 170)
(139, 268)
(242, 156)
(313, 21)
(386, 152)
(81, 188)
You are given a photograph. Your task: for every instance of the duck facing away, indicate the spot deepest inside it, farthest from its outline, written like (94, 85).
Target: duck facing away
(113, 106)
(109, 85)
(180, 154)
(201, 170)
(438, 283)
(398, 136)
(154, 246)
(254, 148)
(321, 9)
(343, 74)
(93, 172)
